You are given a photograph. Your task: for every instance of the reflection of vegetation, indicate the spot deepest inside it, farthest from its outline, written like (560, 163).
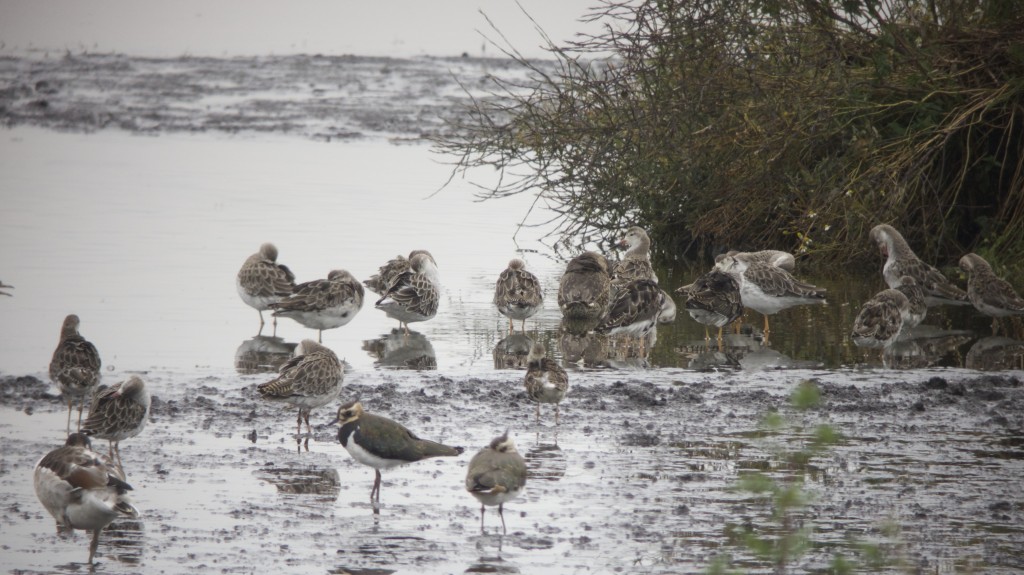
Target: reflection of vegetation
(786, 538)
(786, 123)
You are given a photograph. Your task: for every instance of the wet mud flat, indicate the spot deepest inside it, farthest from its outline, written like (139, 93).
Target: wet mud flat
(315, 96)
(639, 476)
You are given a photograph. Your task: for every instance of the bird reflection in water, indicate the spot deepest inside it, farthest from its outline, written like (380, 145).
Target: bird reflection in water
(511, 352)
(995, 353)
(927, 346)
(262, 354)
(124, 539)
(578, 343)
(546, 461)
(399, 350)
(322, 482)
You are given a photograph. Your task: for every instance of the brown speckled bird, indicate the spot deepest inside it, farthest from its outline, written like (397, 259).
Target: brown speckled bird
(880, 320)
(546, 381)
(768, 289)
(585, 288)
(75, 366)
(118, 412)
(262, 281)
(311, 379)
(713, 299)
(988, 293)
(389, 272)
(324, 303)
(902, 261)
(415, 294)
(634, 312)
(517, 293)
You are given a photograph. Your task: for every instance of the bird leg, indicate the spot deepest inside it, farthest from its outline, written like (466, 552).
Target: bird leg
(309, 430)
(80, 406)
(707, 336)
(481, 518)
(298, 423)
(117, 452)
(320, 336)
(511, 328)
(69, 416)
(259, 311)
(767, 329)
(95, 543)
(275, 324)
(376, 486)
(524, 325)
(501, 513)
(538, 411)
(556, 413)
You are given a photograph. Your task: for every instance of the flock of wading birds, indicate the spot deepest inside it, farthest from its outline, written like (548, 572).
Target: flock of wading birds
(84, 489)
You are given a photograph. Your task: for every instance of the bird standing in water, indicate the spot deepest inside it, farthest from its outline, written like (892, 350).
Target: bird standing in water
(496, 475)
(75, 366)
(382, 443)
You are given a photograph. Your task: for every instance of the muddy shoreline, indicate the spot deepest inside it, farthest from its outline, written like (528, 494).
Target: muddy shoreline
(638, 476)
(321, 97)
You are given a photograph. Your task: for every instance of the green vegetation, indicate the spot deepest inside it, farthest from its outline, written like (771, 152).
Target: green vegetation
(790, 124)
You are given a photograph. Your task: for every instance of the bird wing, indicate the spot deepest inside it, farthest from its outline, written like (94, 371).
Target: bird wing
(415, 292)
(778, 282)
(111, 413)
(637, 301)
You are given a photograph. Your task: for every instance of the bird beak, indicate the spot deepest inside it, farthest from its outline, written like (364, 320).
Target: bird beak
(333, 421)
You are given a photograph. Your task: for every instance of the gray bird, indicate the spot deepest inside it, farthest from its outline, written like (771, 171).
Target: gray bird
(988, 293)
(311, 379)
(902, 261)
(585, 288)
(496, 474)
(117, 413)
(262, 281)
(546, 381)
(75, 366)
(517, 293)
(382, 443)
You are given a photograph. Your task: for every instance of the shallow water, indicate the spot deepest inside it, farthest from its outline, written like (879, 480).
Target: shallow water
(141, 236)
